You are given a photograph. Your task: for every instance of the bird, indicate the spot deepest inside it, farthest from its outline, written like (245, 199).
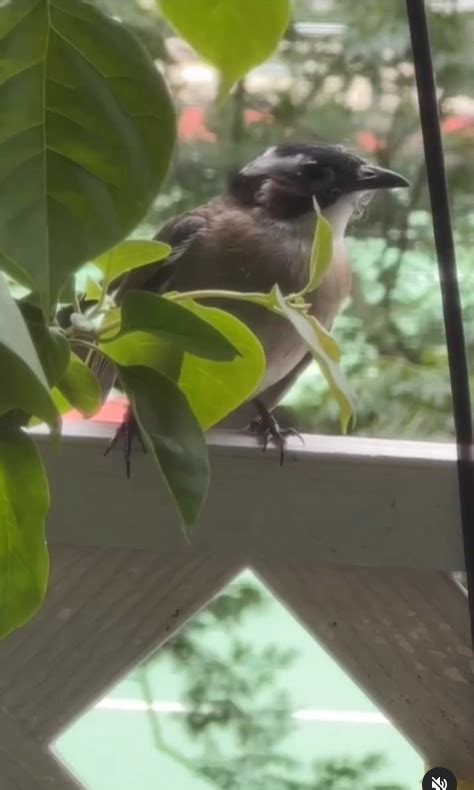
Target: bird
(260, 233)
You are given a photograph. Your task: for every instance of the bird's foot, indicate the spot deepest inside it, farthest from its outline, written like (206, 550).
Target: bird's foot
(267, 428)
(126, 433)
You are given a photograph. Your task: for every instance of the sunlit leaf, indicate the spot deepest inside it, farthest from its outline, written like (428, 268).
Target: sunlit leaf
(23, 382)
(50, 344)
(128, 255)
(150, 351)
(24, 502)
(63, 406)
(316, 340)
(234, 35)
(321, 253)
(80, 387)
(87, 134)
(93, 291)
(148, 312)
(173, 436)
(215, 389)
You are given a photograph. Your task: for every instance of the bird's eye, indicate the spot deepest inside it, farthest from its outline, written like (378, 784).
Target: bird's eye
(313, 171)
(324, 176)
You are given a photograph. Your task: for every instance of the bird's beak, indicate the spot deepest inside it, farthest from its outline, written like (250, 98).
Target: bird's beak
(371, 177)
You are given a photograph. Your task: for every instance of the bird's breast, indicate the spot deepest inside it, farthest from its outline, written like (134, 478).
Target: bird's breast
(283, 347)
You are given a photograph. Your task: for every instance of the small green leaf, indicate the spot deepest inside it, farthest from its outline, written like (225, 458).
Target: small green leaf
(80, 387)
(316, 339)
(173, 435)
(23, 381)
(50, 344)
(129, 255)
(215, 389)
(143, 348)
(88, 130)
(148, 312)
(93, 291)
(234, 35)
(321, 254)
(62, 405)
(24, 503)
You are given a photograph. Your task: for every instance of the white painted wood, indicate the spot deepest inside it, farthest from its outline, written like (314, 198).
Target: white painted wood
(403, 636)
(106, 610)
(348, 501)
(361, 533)
(25, 764)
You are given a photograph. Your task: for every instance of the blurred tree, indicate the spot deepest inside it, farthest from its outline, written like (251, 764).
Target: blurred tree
(344, 73)
(238, 712)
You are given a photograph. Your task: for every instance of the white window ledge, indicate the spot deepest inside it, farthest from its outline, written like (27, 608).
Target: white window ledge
(346, 501)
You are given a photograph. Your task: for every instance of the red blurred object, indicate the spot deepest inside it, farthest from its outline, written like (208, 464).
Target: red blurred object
(457, 123)
(192, 123)
(192, 126)
(369, 142)
(112, 411)
(256, 116)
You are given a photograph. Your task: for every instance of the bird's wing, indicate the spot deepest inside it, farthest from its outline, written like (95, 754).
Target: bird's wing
(179, 233)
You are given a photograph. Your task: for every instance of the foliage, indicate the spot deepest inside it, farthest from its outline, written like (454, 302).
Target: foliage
(357, 87)
(89, 129)
(239, 714)
(217, 30)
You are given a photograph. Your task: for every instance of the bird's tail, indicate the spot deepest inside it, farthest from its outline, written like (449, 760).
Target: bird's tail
(100, 366)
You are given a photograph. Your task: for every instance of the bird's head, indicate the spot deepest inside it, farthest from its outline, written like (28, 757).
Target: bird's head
(287, 179)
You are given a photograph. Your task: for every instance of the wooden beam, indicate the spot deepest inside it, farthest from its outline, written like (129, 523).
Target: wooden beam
(403, 636)
(347, 502)
(106, 610)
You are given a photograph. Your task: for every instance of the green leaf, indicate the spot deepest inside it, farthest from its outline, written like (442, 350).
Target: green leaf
(23, 381)
(148, 312)
(80, 387)
(321, 254)
(315, 338)
(234, 35)
(215, 389)
(130, 255)
(173, 435)
(50, 344)
(62, 405)
(143, 348)
(93, 291)
(87, 134)
(24, 502)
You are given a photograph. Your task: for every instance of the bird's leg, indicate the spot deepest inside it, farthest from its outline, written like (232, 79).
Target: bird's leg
(127, 431)
(266, 426)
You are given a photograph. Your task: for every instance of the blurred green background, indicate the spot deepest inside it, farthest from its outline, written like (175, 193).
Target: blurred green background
(241, 699)
(242, 668)
(344, 74)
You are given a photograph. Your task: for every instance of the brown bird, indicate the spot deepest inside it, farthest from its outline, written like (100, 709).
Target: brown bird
(259, 233)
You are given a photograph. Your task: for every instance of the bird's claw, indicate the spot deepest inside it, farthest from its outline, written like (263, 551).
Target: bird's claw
(127, 431)
(266, 426)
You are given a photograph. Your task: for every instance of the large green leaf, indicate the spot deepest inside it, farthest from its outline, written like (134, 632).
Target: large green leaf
(325, 352)
(87, 134)
(321, 253)
(23, 382)
(143, 348)
(24, 502)
(173, 435)
(148, 312)
(128, 255)
(80, 387)
(51, 345)
(215, 389)
(234, 35)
